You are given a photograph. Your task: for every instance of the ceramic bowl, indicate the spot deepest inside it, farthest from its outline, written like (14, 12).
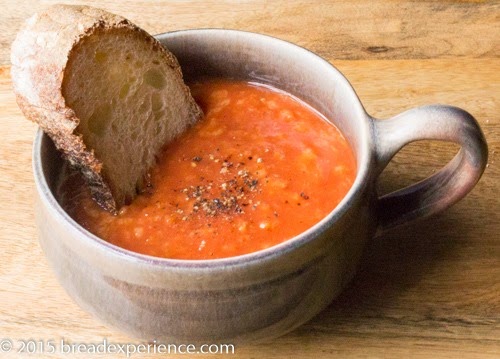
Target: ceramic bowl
(267, 293)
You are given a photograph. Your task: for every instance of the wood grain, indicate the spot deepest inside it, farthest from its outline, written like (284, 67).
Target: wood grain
(430, 289)
(360, 29)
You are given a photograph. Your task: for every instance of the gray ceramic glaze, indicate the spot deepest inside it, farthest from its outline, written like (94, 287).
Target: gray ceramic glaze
(268, 293)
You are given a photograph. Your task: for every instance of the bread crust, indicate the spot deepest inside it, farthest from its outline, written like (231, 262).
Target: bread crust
(39, 57)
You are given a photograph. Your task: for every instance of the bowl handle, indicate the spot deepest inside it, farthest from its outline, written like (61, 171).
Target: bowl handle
(448, 185)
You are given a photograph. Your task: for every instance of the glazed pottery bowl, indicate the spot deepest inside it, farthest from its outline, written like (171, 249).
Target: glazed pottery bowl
(267, 293)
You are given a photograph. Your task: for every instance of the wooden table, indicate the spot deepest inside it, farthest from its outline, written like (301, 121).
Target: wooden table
(430, 289)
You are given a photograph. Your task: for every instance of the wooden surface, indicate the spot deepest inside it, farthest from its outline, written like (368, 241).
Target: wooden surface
(430, 289)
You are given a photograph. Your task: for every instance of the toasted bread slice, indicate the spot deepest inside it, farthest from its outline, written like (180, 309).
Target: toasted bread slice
(108, 94)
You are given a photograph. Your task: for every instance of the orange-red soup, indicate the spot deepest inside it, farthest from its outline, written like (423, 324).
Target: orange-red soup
(260, 168)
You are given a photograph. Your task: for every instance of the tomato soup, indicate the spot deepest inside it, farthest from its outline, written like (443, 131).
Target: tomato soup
(261, 167)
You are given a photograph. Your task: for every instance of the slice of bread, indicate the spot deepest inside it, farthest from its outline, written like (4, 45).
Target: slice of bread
(108, 94)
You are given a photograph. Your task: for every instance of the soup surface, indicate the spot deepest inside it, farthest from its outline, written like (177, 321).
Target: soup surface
(260, 168)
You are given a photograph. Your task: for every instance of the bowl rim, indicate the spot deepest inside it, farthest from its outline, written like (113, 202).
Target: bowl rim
(356, 190)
